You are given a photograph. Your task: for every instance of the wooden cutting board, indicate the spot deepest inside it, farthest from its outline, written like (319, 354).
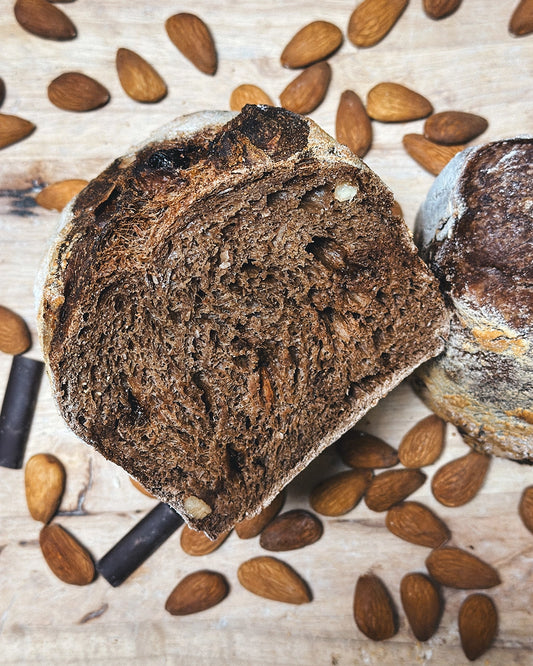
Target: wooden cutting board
(468, 62)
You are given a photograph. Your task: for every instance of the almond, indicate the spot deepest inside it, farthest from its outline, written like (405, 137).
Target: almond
(422, 604)
(521, 22)
(44, 482)
(197, 543)
(371, 20)
(138, 78)
(525, 508)
(65, 556)
(192, 37)
(478, 625)
(140, 488)
(251, 527)
(197, 592)
(453, 127)
(391, 487)
(394, 102)
(360, 449)
(13, 129)
(397, 210)
(373, 609)
(353, 127)
(57, 195)
(315, 41)
(341, 492)
(247, 93)
(14, 334)
(291, 530)
(460, 569)
(437, 9)
(430, 155)
(271, 578)
(44, 19)
(417, 524)
(423, 443)
(74, 91)
(459, 481)
(304, 93)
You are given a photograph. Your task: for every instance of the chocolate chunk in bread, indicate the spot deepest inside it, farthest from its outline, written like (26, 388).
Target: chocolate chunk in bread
(225, 301)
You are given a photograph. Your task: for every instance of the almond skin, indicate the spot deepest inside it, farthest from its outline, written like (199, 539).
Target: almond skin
(304, 93)
(44, 19)
(57, 195)
(460, 569)
(315, 41)
(437, 9)
(360, 449)
(138, 78)
(453, 127)
(459, 481)
(251, 527)
(191, 36)
(14, 334)
(341, 492)
(247, 93)
(67, 558)
(422, 603)
(430, 155)
(521, 22)
(478, 625)
(423, 443)
(353, 127)
(391, 487)
(197, 543)
(417, 524)
(13, 129)
(373, 609)
(525, 508)
(393, 102)
(271, 578)
(197, 592)
(291, 530)
(44, 483)
(74, 91)
(371, 20)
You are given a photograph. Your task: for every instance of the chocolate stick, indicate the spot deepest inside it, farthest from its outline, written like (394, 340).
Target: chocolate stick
(138, 544)
(17, 409)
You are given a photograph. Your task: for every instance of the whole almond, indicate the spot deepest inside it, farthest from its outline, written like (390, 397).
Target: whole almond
(430, 155)
(339, 493)
(304, 93)
(453, 127)
(44, 19)
(437, 9)
(192, 37)
(423, 443)
(247, 93)
(459, 481)
(525, 508)
(521, 22)
(291, 530)
(197, 543)
(251, 527)
(417, 524)
(138, 78)
(57, 195)
(197, 592)
(13, 129)
(391, 487)
(271, 578)
(478, 625)
(371, 20)
(65, 556)
(140, 487)
(460, 569)
(422, 604)
(393, 102)
(74, 91)
(360, 449)
(44, 482)
(373, 608)
(315, 41)
(353, 127)
(14, 334)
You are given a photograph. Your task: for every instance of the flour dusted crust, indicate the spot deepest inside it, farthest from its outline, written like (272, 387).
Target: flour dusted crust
(476, 232)
(225, 301)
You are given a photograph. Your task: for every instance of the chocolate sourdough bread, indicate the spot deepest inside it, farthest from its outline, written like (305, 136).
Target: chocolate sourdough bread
(225, 301)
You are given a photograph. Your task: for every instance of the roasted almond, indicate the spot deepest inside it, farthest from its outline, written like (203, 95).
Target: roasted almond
(140, 487)
(65, 556)
(417, 524)
(430, 155)
(437, 9)
(57, 195)
(74, 91)
(453, 127)
(315, 41)
(353, 127)
(197, 543)
(339, 493)
(291, 530)
(251, 527)
(14, 334)
(459, 481)
(478, 625)
(13, 129)
(304, 93)
(391, 487)
(373, 609)
(197, 592)
(44, 483)
(44, 19)
(525, 508)
(360, 449)
(423, 443)
(371, 20)
(192, 37)
(460, 569)
(393, 102)
(247, 93)
(271, 578)
(521, 22)
(138, 78)
(397, 210)
(422, 603)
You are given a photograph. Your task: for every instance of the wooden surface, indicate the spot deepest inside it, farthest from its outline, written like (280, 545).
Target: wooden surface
(468, 62)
